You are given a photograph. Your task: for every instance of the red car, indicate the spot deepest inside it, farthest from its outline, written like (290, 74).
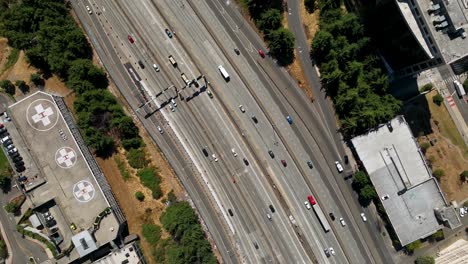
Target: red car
(130, 39)
(260, 52)
(284, 163)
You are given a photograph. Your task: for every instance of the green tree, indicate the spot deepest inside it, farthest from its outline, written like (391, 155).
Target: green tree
(139, 196)
(3, 250)
(281, 44)
(310, 5)
(8, 86)
(438, 173)
(269, 20)
(437, 99)
(24, 88)
(84, 69)
(37, 79)
(366, 195)
(171, 197)
(424, 260)
(5, 183)
(427, 87)
(360, 180)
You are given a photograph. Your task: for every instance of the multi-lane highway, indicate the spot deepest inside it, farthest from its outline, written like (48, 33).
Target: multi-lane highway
(252, 204)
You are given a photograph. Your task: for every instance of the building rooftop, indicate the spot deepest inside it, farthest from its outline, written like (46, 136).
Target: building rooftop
(402, 179)
(70, 182)
(443, 23)
(130, 254)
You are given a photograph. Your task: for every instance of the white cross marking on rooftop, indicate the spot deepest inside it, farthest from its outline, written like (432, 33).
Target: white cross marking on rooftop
(85, 191)
(65, 157)
(42, 114)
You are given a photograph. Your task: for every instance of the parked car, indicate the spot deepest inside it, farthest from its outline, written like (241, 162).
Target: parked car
(156, 68)
(209, 94)
(284, 163)
(89, 10)
(130, 38)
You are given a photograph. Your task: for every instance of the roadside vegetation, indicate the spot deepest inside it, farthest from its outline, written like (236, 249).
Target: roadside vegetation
(187, 242)
(351, 71)
(54, 44)
(267, 15)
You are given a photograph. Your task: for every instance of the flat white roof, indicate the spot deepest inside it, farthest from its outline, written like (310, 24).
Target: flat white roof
(397, 168)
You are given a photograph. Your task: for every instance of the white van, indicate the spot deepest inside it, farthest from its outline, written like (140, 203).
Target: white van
(459, 87)
(172, 61)
(223, 72)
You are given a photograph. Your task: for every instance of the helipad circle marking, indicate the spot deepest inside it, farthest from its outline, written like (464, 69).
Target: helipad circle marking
(65, 157)
(42, 114)
(84, 191)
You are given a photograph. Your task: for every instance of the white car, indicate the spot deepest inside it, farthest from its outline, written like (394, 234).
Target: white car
(89, 10)
(338, 166)
(172, 108)
(173, 102)
(307, 205)
(242, 108)
(156, 67)
(462, 212)
(364, 218)
(160, 130)
(385, 197)
(234, 152)
(342, 221)
(332, 251)
(214, 157)
(269, 216)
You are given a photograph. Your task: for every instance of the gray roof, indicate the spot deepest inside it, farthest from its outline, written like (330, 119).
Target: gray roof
(398, 169)
(84, 243)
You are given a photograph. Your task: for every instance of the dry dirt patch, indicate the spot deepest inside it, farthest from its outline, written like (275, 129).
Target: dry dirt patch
(444, 154)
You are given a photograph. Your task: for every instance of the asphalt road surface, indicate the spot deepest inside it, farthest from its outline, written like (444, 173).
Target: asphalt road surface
(204, 36)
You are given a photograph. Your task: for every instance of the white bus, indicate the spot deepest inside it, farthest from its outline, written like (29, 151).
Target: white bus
(459, 87)
(223, 72)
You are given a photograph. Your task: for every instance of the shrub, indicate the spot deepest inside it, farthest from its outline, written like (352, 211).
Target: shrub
(37, 79)
(310, 5)
(425, 260)
(410, 248)
(424, 146)
(150, 179)
(3, 250)
(139, 196)
(438, 174)
(137, 159)
(5, 183)
(437, 236)
(171, 197)
(15, 204)
(437, 99)
(464, 176)
(7, 86)
(151, 233)
(24, 88)
(426, 87)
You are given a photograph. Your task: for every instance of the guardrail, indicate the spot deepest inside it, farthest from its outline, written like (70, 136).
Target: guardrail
(97, 173)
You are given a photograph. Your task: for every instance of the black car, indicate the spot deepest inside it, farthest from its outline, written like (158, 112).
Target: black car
(16, 159)
(141, 64)
(19, 164)
(309, 163)
(168, 33)
(254, 118)
(14, 155)
(332, 216)
(230, 212)
(346, 159)
(20, 169)
(272, 208)
(272, 155)
(246, 162)
(8, 142)
(205, 152)
(255, 245)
